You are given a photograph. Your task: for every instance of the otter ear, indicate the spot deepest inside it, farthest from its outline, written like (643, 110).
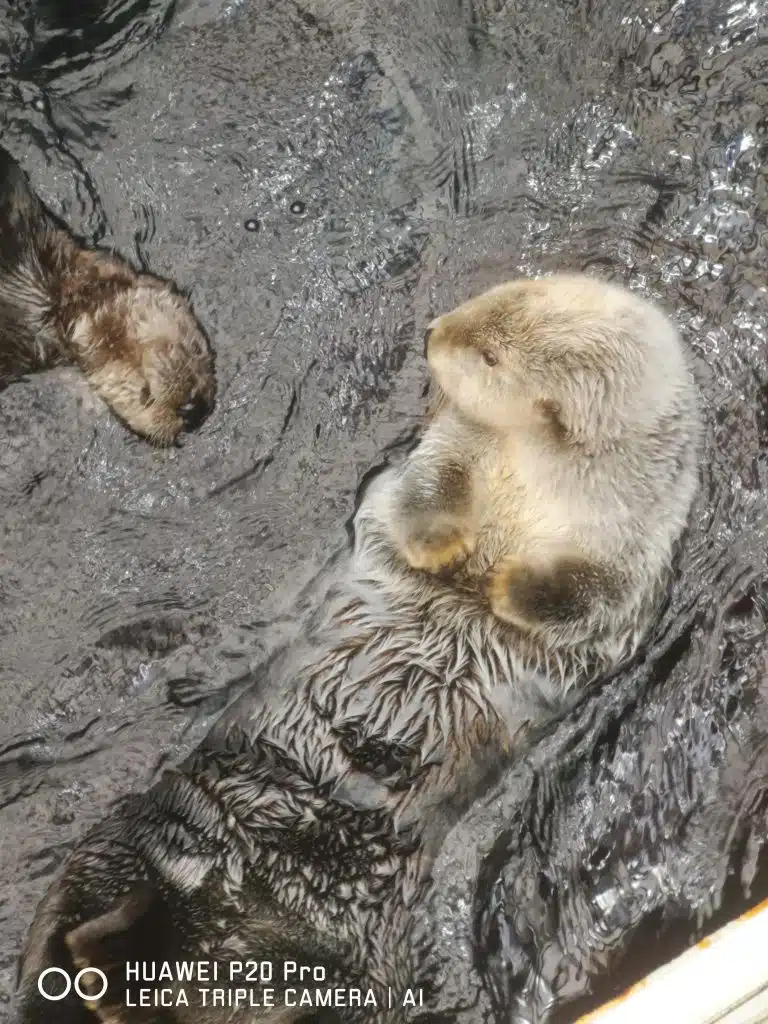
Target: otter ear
(135, 928)
(551, 416)
(583, 411)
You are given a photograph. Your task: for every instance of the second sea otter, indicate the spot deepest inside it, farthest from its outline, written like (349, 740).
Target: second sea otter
(131, 333)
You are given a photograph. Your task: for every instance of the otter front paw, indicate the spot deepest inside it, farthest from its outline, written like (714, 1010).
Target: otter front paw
(438, 547)
(558, 591)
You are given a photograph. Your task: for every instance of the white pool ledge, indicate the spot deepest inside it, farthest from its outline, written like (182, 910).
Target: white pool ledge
(722, 979)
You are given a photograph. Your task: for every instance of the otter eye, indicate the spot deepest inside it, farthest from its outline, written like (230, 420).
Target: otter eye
(145, 395)
(489, 358)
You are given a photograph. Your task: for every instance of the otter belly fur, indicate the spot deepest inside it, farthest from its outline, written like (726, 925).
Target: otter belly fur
(131, 333)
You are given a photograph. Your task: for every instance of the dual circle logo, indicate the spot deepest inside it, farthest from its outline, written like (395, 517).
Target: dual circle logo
(69, 983)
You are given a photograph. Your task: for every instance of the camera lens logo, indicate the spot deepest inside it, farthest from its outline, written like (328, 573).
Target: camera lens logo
(69, 983)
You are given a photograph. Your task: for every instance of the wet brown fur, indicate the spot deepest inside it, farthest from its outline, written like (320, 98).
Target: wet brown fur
(131, 333)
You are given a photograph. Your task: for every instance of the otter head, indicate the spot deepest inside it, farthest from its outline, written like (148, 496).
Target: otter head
(570, 356)
(146, 356)
(176, 360)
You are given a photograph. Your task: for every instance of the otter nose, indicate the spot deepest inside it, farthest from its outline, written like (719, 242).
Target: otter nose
(194, 412)
(427, 335)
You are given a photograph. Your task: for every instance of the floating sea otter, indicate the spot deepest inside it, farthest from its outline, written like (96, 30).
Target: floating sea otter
(561, 462)
(131, 333)
(302, 831)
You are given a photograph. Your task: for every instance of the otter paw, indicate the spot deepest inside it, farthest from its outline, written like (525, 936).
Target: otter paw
(505, 586)
(556, 591)
(438, 548)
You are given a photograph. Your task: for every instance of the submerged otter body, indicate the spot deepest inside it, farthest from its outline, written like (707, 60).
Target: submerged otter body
(560, 466)
(131, 333)
(304, 828)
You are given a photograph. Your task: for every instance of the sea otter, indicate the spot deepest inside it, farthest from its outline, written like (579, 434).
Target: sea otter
(131, 333)
(301, 833)
(560, 464)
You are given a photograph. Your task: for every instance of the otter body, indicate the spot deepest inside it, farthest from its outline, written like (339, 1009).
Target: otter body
(559, 469)
(133, 336)
(304, 828)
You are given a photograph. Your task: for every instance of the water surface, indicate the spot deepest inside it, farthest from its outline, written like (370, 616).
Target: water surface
(324, 177)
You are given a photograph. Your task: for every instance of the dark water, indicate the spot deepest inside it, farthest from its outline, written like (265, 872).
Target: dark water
(324, 177)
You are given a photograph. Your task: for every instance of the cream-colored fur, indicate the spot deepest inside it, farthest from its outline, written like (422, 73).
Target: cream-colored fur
(560, 466)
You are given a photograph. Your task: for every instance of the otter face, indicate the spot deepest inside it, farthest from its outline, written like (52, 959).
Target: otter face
(568, 354)
(146, 356)
(176, 360)
(472, 357)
